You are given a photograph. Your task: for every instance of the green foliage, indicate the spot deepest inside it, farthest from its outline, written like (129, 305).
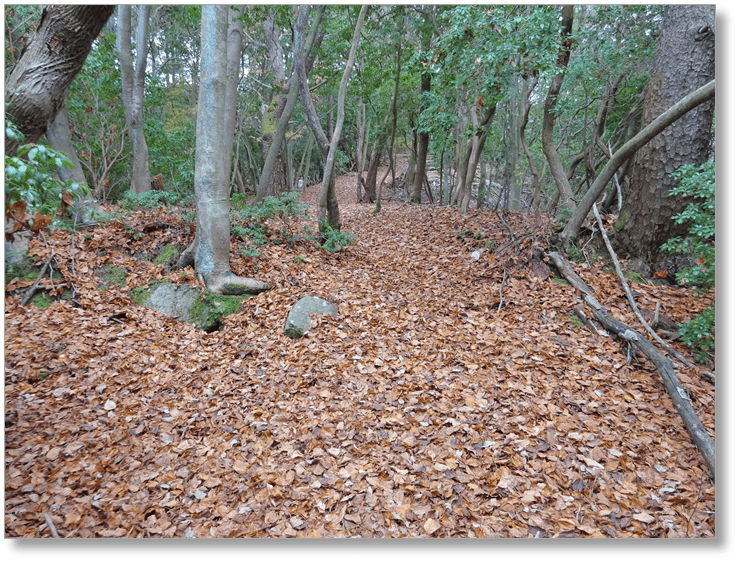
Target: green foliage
(30, 176)
(270, 221)
(698, 183)
(335, 240)
(149, 199)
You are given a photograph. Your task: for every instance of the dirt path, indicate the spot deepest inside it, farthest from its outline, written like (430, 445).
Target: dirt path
(439, 402)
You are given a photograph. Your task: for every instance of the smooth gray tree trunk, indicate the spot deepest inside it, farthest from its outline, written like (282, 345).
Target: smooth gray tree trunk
(209, 251)
(133, 78)
(234, 42)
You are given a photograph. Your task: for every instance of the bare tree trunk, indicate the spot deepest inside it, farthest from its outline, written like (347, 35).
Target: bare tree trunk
(234, 40)
(133, 79)
(532, 166)
(35, 90)
(209, 251)
(547, 134)
(58, 134)
(361, 140)
(327, 203)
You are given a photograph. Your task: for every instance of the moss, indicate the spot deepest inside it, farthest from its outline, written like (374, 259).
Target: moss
(26, 270)
(634, 276)
(561, 281)
(139, 295)
(575, 320)
(112, 275)
(621, 222)
(169, 253)
(207, 313)
(42, 300)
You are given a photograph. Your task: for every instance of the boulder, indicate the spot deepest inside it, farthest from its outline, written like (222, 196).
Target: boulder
(298, 321)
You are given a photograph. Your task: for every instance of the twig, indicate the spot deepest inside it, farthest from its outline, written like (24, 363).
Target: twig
(710, 377)
(687, 525)
(188, 425)
(51, 526)
(500, 304)
(630, 297)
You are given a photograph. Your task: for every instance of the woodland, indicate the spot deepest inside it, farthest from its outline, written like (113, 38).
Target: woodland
(510, 210)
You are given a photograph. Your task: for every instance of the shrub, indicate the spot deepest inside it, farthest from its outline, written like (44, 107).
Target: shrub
(699, 183)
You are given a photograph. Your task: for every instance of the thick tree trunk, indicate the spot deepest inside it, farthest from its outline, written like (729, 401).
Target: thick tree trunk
(547, 133)
(133, 77)
(209, 251)
(684, 61)
(35, 89)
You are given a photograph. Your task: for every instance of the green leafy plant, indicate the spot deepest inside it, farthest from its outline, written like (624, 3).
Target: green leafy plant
(149, 199)
(335, 240)
(30, 179)
(698, 183)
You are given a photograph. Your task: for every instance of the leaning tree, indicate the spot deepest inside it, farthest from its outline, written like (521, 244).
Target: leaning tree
(35, 89)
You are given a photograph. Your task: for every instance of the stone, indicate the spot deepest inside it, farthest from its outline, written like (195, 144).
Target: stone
(298, 321)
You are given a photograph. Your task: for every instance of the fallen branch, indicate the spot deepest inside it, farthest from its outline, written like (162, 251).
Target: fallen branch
(50, 524)
(35, 287)
(679, 397)
(630, 297)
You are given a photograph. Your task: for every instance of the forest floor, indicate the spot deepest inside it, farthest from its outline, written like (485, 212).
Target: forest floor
(450, 397)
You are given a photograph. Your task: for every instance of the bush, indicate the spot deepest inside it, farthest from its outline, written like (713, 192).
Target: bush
(698, 183)
(149, 199)
(30, 177)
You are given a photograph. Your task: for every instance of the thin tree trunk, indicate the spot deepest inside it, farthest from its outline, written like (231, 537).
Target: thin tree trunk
(328, 206)
(547, 135)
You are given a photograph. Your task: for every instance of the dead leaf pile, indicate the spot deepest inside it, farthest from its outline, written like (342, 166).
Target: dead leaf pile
(451, 396)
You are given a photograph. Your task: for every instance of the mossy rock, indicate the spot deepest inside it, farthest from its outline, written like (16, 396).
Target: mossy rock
(188, 304)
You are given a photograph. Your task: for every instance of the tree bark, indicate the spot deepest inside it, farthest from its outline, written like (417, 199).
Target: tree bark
(684, 61)
(547, 133)
(133, 78)
(209, 251)
(689, 102)
(35, 89)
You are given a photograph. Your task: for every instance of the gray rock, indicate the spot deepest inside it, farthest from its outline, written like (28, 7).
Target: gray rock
(298, 321)
(173, 301)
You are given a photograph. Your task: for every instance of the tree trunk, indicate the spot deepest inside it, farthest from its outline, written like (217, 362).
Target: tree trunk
(35, 90)
(683, 62)
(209, 251)
(547, 132)
(234, 41)
(60, 138)
(361, 140)
(689, 102)
(328, 205)
(133, 79)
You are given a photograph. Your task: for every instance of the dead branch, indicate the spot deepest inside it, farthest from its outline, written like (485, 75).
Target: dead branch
(35, 287)
(630, 297)
(677, 393)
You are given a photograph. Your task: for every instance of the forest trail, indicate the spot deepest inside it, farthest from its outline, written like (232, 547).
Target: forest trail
(451, 396)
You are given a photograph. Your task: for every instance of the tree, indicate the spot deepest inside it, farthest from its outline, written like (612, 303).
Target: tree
(133, 78)
(550, 149)
(684, 61)
(35, 89)
(328, 206)
(209, 250)
(233, 71)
